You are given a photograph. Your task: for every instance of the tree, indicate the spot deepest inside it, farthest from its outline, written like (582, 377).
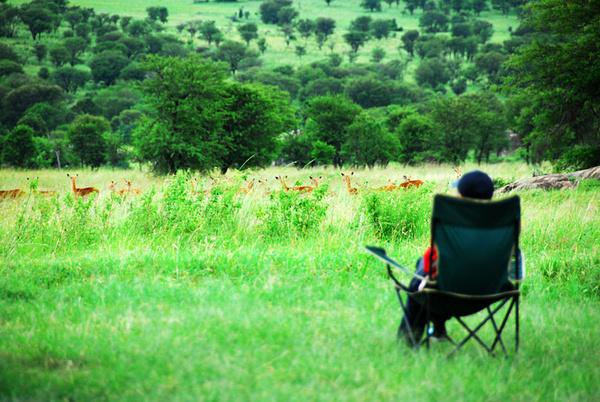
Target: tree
(433, 22)
(233, 53)
(457, 124)
(479, 6)
(560, 70)
(70, 79)
(255, 117)
(269, 10)
(38, 18)
(381, 29)
(107, 66)
(86, 135)
(371, 5)
(369, 91)
(300, 51)
(262, 45)
(18, 146)
(202, 121)
(324, 25)
(286, 15)
(59, 55)
(18, 100)
(414, 134)
(8, 67)
(9, 19)
(328, 119)
(483, 29)
(432, 72)
(409, 39)
(306, 27)
(491, 125)
(208, 31)
(73, 17)
(75, 47)
(368, 143)
(248, 32)
(356, 39)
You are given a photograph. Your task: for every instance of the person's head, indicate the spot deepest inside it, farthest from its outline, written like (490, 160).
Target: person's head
(476, 184)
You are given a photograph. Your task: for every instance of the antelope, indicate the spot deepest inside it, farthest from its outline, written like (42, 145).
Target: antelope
(83, 191)
(129, 189)
(33, 187)
(12, 193)
(458, 173)
(300, 189)
(388, 187)
(408, 183)
(263, 184)
(346, 178)
(246, 190)
(111, 187)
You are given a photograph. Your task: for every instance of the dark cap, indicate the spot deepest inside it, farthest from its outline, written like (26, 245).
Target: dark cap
(476, 184)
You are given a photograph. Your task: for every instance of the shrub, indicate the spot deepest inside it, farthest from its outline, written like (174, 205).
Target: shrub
(399, 214)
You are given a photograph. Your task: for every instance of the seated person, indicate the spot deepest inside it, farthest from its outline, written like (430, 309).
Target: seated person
(477, 185)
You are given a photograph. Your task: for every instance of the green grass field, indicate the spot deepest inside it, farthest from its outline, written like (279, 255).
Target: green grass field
(167, 296)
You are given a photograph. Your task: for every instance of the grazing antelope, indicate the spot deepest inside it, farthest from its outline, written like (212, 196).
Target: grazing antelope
(346, 178)
(300, 189)
(83, 191)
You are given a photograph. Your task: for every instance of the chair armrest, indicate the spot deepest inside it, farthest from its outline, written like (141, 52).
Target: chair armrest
(380, 253)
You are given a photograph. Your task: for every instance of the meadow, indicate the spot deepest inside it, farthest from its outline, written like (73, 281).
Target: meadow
(220, 295)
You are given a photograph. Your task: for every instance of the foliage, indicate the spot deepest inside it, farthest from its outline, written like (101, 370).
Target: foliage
(398, 215)
(560, 68)
(87, 136)
(18, 146)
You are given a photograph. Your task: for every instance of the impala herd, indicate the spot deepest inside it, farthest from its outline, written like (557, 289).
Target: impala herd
(249, 186)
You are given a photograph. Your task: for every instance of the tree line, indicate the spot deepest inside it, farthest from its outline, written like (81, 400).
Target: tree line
(233, 112)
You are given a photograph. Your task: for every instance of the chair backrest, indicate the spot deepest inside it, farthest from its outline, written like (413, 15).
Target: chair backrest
(475, 241)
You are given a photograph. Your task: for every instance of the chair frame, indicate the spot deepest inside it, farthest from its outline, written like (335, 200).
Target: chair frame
(492, 304)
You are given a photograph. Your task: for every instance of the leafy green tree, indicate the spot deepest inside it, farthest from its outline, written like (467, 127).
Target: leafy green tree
(433, 22)
(368, 143)
(429, 46)
(433, 72)
(9, 20)
(232, 53)
(306, 27)
(70, 78)
(208, 31)
(158, 14)
(300, 51)
(18, 100)
(361, 24)
(371, 5)
(328, 120)
(38, 18)
(59, 55)
(483, 29)
(490, 63)
(8, 67)
(560, 71)
(248, 32)
(458, 125)
(107, 66)
(369, 91)
(86, 135)
(76, 47)
(479, 6)
(18, 147)
(408, 39)
(73, 17)
(83, 30)
(325, 26)
(356, 39)
(269, 10)
(381, 29)
(414, 134)
(262, 45)
(255, 116)
(286, 15)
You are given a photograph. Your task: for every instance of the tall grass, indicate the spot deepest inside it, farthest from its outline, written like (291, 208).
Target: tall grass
(269, 295)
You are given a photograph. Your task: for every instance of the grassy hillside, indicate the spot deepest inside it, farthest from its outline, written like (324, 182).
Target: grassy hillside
(343, 11)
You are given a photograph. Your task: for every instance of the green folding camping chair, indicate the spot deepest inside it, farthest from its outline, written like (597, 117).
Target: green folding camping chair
(479, 267)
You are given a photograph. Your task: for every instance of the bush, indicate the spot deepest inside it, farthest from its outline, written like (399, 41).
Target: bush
(399, 214)
(578, 158)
